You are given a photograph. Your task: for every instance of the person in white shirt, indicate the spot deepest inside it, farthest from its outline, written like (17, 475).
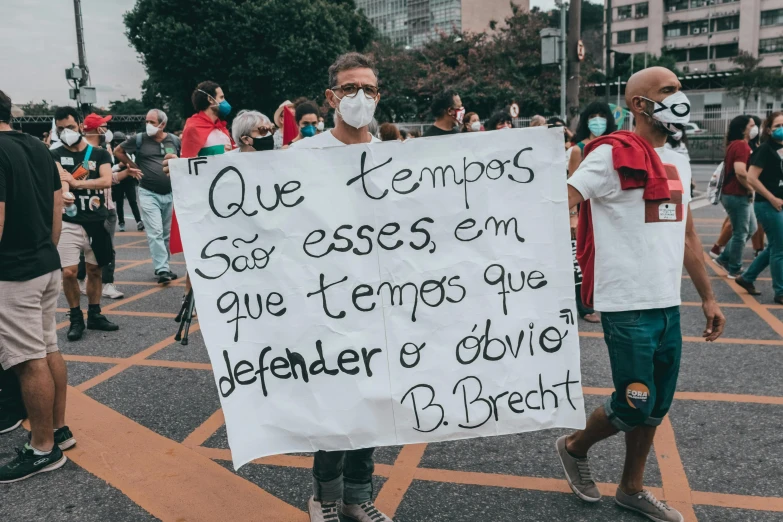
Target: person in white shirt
(640, 244)
(346, 475)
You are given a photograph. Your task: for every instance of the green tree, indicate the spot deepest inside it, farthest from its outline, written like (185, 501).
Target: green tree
(750, 79)
(130, 106)
(41, 108)
(260, 52)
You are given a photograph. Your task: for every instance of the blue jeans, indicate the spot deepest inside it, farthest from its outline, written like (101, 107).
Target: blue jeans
(743, 227)
(156, 212)
(343, 474)
(772, 256)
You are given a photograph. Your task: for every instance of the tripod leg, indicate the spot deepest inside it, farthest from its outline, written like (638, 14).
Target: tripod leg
(182, 316)
(182, 308)
(189, 320)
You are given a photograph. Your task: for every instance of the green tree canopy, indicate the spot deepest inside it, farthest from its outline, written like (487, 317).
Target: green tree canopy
(260, 52)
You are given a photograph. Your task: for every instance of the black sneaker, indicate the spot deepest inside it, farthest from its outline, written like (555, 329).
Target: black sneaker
(165, 278)
(98, 321)
(747, 285)
(725, 268)
(63, 437)
(10, 419)
(27, 463)
(779, 299)
(139, 226)
(76, 330)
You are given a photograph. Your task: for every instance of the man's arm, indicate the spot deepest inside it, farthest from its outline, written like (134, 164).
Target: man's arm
(57, 216)
(694, 264)
(574, 197)
(103, 182)
(122, 156)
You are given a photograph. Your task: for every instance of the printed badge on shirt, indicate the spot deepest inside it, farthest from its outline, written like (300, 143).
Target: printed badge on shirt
(670, 211)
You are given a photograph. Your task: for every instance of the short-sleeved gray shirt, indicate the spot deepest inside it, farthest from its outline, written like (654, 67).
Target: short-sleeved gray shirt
(150, 160)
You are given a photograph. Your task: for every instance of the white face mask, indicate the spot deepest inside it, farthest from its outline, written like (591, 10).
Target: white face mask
(320, 126)
(475, 126)
(70, 137)
(673, 109)
(677, 136)
(108, 136)
(152, 130)
(754, 131)
(357, 111)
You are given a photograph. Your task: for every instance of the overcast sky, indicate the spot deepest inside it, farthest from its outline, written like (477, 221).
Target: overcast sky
(39, 40)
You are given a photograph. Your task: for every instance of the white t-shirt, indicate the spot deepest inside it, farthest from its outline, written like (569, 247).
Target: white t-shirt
(322, 141)
(639, 245)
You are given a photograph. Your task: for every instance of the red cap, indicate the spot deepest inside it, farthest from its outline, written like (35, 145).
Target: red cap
(93, 121)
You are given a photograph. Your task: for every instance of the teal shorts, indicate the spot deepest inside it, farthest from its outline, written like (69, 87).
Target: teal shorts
(645, 347)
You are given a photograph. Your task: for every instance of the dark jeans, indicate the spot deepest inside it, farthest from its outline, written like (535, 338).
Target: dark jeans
(343, 474)
(126, 188)
(644, 353)
(107, 272)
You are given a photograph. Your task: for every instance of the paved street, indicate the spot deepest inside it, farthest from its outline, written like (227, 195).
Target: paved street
(152, 442)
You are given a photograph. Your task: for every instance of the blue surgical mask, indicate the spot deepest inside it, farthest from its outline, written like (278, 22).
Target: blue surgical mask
(597, 125)
(224, 109)
(308, 131)
(777, 134)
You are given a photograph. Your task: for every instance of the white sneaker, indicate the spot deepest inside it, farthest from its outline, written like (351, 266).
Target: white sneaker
(110, 291)
(322, 511)
(365, 512)
(83, 287)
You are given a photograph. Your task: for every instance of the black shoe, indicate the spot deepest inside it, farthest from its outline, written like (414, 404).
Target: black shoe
(779, 299)
(98, 321)
(27, 463)
(76, 330)
(165, 278)
(63, 437)
(747, 285)
(10, 419)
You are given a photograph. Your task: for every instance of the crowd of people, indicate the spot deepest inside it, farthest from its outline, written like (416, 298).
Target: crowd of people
(629, 212)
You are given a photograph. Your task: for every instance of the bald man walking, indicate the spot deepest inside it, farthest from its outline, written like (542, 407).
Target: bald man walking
(635, 232)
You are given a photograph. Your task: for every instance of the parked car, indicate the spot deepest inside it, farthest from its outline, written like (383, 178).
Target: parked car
(691, 129)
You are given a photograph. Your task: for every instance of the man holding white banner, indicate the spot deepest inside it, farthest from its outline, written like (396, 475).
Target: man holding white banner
(346, 475)
(635, 232)
(355, 294)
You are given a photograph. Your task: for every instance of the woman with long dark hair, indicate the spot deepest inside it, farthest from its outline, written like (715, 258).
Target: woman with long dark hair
(596, 120)
(765, 176)
(737, 194)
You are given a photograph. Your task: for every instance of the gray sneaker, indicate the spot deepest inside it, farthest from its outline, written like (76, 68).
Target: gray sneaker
(365, 512)
(577, 472)
(646, 504)
(322, 511)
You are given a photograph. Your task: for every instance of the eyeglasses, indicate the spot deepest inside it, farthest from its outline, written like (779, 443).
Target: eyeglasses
(263, 132)
(352, 89)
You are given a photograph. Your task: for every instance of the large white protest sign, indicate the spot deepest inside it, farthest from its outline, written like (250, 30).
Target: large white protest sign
(385, 293)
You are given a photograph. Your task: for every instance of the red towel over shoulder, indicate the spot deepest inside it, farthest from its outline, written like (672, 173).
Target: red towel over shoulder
(638, 166)
(197, 129)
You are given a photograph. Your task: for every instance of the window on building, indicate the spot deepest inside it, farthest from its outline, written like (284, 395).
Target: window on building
(770, 45)
(641, 35)
(679, 55)
(698, 3)
(726, 23)
(623, 37)
(642, 10)
(726, 50)
(712, 112)
(698, 27)
(773, 17)
(675, 30)
(624, 12)
(697, 53)
(675, 5)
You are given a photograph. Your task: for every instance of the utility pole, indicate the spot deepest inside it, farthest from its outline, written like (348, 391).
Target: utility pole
(563, 62)
(608, 58)
(574, 62)
(84, 80)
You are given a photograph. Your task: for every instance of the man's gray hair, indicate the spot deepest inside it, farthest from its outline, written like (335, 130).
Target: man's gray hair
(349, 61)
(162, 118)
(245, 122)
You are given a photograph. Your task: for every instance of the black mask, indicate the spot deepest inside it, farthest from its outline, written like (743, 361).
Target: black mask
(265, 143)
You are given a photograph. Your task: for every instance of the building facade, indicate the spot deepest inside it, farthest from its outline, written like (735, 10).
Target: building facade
(701, 35)
(413, 22)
